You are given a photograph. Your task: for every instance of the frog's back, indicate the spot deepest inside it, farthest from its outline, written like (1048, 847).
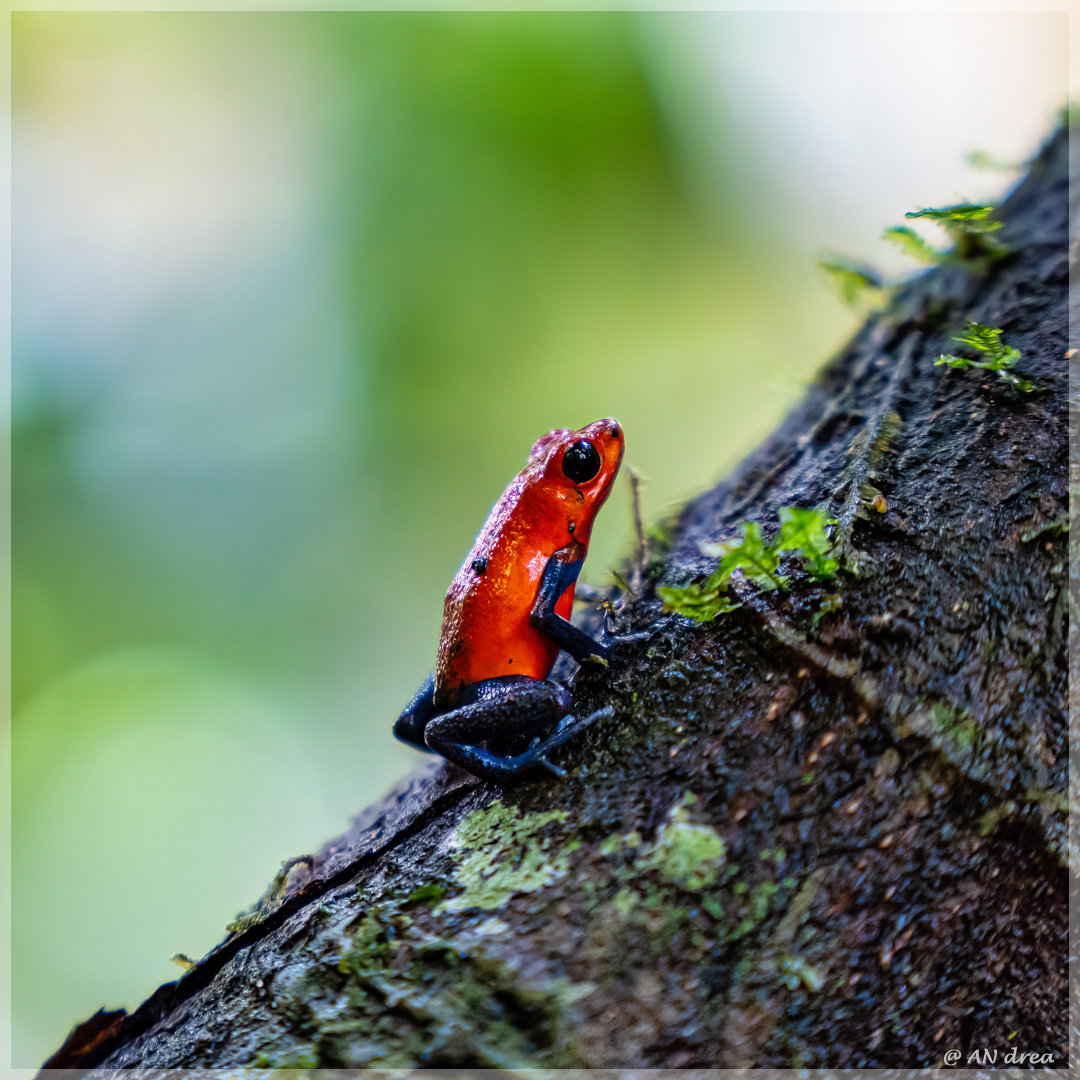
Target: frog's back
(486, 631)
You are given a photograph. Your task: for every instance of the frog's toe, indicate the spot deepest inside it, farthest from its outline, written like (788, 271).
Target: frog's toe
(550, 766)
(569, 726)
(605, 713)
(623, 643)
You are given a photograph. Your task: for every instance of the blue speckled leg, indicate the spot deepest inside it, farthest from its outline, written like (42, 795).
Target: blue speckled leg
(409, 726)
(500, 709)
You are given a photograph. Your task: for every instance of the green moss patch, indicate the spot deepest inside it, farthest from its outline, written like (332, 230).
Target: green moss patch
(687, 855)
(501, 854)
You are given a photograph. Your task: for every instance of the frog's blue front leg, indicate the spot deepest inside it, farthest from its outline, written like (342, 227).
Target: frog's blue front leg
(560, 573)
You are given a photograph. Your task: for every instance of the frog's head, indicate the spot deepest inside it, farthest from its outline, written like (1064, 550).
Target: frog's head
(579, 467)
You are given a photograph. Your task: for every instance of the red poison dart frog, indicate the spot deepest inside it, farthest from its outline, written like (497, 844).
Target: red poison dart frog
(507, 615)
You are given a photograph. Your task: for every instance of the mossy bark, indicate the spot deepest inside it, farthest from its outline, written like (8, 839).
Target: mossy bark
(827, 829)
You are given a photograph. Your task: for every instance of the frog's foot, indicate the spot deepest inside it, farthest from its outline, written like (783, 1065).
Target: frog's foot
(551, 767)
(615, 642)
(568, 727)
(617, 645)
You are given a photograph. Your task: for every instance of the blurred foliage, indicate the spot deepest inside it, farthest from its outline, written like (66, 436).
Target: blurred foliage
(967, 225)
(858, 286)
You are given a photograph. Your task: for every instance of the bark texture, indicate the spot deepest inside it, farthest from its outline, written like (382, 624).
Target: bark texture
(827, 829)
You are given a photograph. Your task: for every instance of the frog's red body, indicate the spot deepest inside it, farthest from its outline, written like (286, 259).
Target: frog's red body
(486, 631)
(507, 612)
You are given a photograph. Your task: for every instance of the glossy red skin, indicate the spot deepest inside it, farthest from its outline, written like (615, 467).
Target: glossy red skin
(486, 631)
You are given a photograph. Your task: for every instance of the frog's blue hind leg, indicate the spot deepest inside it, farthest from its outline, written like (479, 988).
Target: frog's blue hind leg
(502, 708)
(409, 726)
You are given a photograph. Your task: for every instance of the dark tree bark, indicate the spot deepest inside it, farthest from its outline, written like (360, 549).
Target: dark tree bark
(826, 829)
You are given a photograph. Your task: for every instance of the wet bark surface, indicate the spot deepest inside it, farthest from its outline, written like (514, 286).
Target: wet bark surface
(827, 829)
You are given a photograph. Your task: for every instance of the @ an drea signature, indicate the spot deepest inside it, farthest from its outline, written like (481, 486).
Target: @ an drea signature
(985, 1056)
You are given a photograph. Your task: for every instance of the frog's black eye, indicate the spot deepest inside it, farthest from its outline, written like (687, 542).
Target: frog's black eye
(581, 462)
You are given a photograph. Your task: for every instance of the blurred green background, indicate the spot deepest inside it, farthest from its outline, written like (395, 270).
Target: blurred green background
(293, 295)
